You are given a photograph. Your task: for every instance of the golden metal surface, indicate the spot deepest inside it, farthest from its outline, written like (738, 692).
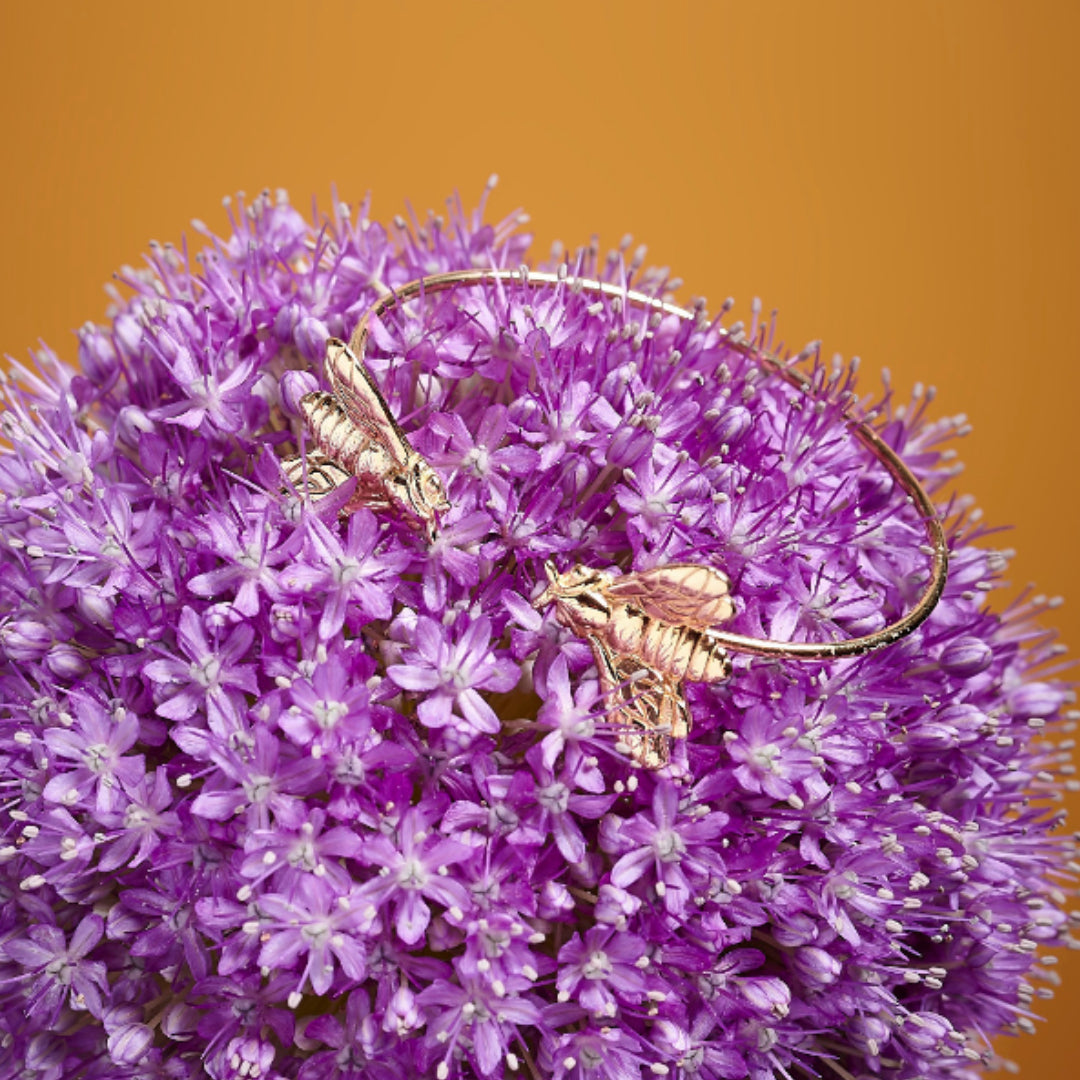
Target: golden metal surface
(315, 473)
(878, 448)
(649, 632)
(355, 435)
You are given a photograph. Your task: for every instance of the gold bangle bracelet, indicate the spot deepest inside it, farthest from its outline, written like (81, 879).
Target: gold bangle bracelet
(873, 442)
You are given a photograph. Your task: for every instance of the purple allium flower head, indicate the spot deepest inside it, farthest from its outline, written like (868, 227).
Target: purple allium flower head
(291, 796)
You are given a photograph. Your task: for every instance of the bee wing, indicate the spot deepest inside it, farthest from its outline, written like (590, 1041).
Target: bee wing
(353, 386)
(687, 593)
(651, 707)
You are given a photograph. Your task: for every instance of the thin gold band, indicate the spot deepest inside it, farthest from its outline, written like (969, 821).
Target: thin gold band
(862, 431)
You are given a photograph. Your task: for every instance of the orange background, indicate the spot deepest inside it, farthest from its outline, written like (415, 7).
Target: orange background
(899, 180)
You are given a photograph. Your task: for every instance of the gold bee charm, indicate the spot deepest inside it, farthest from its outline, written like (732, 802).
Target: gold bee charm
(649, 632)
(355, 435)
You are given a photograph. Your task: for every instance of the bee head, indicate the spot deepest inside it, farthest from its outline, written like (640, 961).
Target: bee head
(424, 491)
(426, 488)
(578, 595)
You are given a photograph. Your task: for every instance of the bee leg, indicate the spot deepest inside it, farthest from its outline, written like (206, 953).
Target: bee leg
(318, 481)
(641, 702)
(674, 711)
(650, 749)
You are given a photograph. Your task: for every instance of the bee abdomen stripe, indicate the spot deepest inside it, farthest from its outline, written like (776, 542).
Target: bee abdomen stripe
(683, 652)
(332, 430)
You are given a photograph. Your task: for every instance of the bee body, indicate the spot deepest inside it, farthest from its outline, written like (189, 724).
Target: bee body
(351, 447)
(677, 651)
(649, 633)
(320, 474)
(355, 435)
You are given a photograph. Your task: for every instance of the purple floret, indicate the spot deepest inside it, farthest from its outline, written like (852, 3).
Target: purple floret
(294, 797)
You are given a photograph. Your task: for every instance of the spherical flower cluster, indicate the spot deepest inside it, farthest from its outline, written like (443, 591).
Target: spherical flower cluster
(288, 795)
